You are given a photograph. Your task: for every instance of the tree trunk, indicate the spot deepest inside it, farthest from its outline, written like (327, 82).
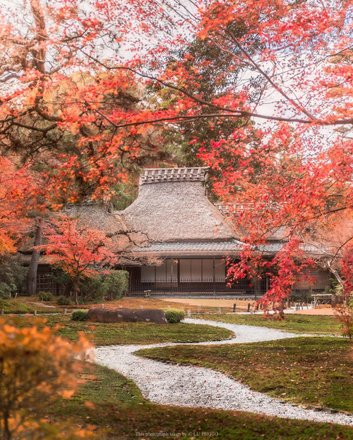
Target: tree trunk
(7, 433)
(76, 289)
(281, 310)
(33, 266)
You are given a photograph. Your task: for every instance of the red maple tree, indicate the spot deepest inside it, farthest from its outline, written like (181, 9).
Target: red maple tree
(78, 251)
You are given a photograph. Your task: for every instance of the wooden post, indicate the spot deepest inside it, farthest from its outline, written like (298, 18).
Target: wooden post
(234, 307)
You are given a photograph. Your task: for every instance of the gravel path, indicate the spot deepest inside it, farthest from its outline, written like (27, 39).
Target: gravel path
(202, 387)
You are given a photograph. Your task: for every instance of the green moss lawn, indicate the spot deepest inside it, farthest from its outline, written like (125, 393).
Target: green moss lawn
(126, 333)
(115, 406)
(310, 371)
(292, 322)
(23, 304)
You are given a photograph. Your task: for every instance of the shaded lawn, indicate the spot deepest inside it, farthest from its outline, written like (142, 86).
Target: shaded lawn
(25, 305)
(115, 406)
(310, 371)
(292, 323)
(126, 333)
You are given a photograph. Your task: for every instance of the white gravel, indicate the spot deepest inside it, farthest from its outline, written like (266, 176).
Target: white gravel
(202, 387)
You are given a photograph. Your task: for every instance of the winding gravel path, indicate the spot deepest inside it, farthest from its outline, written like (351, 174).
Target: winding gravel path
(202, 387)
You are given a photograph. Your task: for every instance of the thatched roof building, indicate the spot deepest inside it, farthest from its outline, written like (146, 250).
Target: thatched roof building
(172, 238)
(173, 211)
(189, 235)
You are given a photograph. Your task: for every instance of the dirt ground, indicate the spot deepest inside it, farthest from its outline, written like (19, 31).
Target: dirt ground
(241, 305)
(318, 311)
(157, 303)
(210, 303)
(217, 305)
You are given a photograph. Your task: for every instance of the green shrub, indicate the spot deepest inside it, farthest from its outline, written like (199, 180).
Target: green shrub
(106, 286)
(63, 301)
(79, 315)
(45, 296)
(6, 290)
(91, 290)
(12, 275)
(110, 286)
(174, 316)
(115, 284)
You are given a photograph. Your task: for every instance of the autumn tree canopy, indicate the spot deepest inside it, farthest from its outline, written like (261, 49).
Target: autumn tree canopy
(80, 252)
(37, 367)
(89, 88)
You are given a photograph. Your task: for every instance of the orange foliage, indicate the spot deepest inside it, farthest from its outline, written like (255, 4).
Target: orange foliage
(36, 367)
(17, 192)
(79, 251)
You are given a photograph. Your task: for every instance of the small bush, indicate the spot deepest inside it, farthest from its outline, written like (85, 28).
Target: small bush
(6, 290)
(45, 296)
(63, 301)
(79, 315)
(174, 316)
(91, 290)
(109, 286)
(12, 276)
(116, 284)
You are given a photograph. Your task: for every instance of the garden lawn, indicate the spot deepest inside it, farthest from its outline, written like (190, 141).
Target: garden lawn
(291, 323)
(25, 305)
(115, 406)
(311, 371)
(126, 333)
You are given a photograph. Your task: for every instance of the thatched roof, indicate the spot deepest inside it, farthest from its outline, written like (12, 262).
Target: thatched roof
(96, 216)
(172, 206)
(171, 217)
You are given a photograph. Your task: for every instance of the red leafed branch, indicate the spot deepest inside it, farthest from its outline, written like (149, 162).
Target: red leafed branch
(79, 251)
(17, 196)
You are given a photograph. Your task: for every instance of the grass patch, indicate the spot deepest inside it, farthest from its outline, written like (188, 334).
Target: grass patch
(115, 406)
(292, 323)
(127, 333)
(11, 306)
(311, 371)
(22, 305)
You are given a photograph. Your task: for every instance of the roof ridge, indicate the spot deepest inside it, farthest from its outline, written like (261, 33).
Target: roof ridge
(183, 174)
